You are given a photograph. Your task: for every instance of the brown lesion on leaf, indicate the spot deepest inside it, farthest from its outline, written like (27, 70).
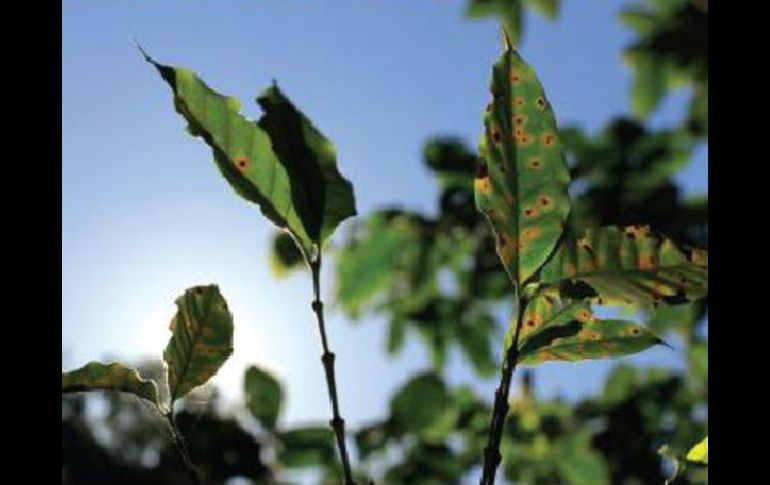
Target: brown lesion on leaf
(523, 140)
(515, 77)
(530, 211)
(241, 162)
(545, 202)
(530, 233)
(647, 261)
(518, 102)
(540, 102)
(548, 139)
(584, 316)
(535, 163)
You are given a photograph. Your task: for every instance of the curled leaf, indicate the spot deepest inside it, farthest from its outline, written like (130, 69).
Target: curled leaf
(110, 377)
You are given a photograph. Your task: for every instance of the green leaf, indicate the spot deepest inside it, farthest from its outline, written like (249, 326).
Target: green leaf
(522, 182)
(579, 463)
(588, 338)
(631, 265)
(285, 256)
(201, 340)
(263, 396)
(700, 452)
(282, 163)
(546, 311)
(110, 377)
(421, 404)
(304, 447)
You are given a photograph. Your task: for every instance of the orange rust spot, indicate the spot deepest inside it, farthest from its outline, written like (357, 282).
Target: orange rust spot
(647, 261)
(530, 211)
(535, 163)
(584, 316)
(530, 233)
(523, 140)
(519, 120)
(482, 185)
(241, 162)
(548, 139)
(636, 332)
(519, 101)
(515, 78)
(545, 201)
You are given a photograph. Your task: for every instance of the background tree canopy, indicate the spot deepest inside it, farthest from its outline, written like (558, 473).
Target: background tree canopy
(433, 278)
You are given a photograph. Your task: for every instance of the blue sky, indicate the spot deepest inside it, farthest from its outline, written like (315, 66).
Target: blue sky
(145, 213)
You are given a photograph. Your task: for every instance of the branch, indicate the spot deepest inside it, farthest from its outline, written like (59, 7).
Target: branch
(337, 423)
(492, 451)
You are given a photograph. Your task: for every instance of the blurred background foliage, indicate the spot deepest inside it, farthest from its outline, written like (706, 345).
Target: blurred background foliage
(438, 277)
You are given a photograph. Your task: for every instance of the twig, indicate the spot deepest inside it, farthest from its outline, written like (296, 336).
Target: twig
(337, 423)
(182, 447)
(492, 451)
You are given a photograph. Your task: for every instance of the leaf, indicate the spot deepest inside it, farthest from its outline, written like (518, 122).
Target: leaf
(323, 196)
(284, 255)
(263, 396)
(700, 452)
(521, 184)
(579, 463)
(543, 312)
(303, 447)
(631, 265)
(587, 338)
(421, 404)
(110, 377)
(201, 340)
(282, 163)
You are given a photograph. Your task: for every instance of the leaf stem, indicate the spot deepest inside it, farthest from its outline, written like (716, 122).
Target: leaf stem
(182, 447)
(492, 455)
(337, 423)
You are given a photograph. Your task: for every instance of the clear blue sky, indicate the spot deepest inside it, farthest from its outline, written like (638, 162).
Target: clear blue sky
(145, 213)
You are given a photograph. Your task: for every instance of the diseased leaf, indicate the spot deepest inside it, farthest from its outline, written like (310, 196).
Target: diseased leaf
(586, 338)
(521, 184)
(282, 163)
(201, 340)
(110, 377)
(631, 265)
(700, 452)
(303, 447)
(263, 396)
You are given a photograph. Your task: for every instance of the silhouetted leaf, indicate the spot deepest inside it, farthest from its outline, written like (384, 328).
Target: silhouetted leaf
(521, 185)
(579, 464)
(110, 377)
(201, 340)
(421, 403)
(304, 447)
(263, 396)
(284, 255)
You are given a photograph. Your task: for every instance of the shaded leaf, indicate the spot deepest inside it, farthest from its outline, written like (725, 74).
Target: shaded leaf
(580, 464)
(631, 265)
(282, 163)
(304, 447)
(263, 396)
(201, 340)
(284, 255)
(110, 377)
(591, 338)
(421, 403)
(546, 311)
(521, 184)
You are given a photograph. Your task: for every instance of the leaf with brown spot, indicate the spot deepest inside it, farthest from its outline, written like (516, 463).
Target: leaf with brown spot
(201, 340)
(109, 377)
(630, 265)
(594, 339)
(523, 190)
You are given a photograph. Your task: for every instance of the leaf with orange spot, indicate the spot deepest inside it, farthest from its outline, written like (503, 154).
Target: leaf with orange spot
(522, 182)
(201, 340)
(109, 377)
(630, 265)
(282, 163)
(593, 339)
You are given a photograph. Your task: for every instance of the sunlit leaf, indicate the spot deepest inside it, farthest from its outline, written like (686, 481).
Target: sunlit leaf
(631, 264)
(282, 163)
(201, 339)
(586, 338)
(263, 396)
(521, 184)
(110, 377)
(700, 452)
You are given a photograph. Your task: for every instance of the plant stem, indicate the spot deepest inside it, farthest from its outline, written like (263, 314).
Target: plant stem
(492, 451)
(182, 447)
(337, 423)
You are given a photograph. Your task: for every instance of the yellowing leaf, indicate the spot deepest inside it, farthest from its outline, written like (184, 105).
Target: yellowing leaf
(110, 377)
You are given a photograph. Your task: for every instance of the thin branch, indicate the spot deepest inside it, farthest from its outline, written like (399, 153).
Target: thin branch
(181, 447)
(492, 455)
(337, 423)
